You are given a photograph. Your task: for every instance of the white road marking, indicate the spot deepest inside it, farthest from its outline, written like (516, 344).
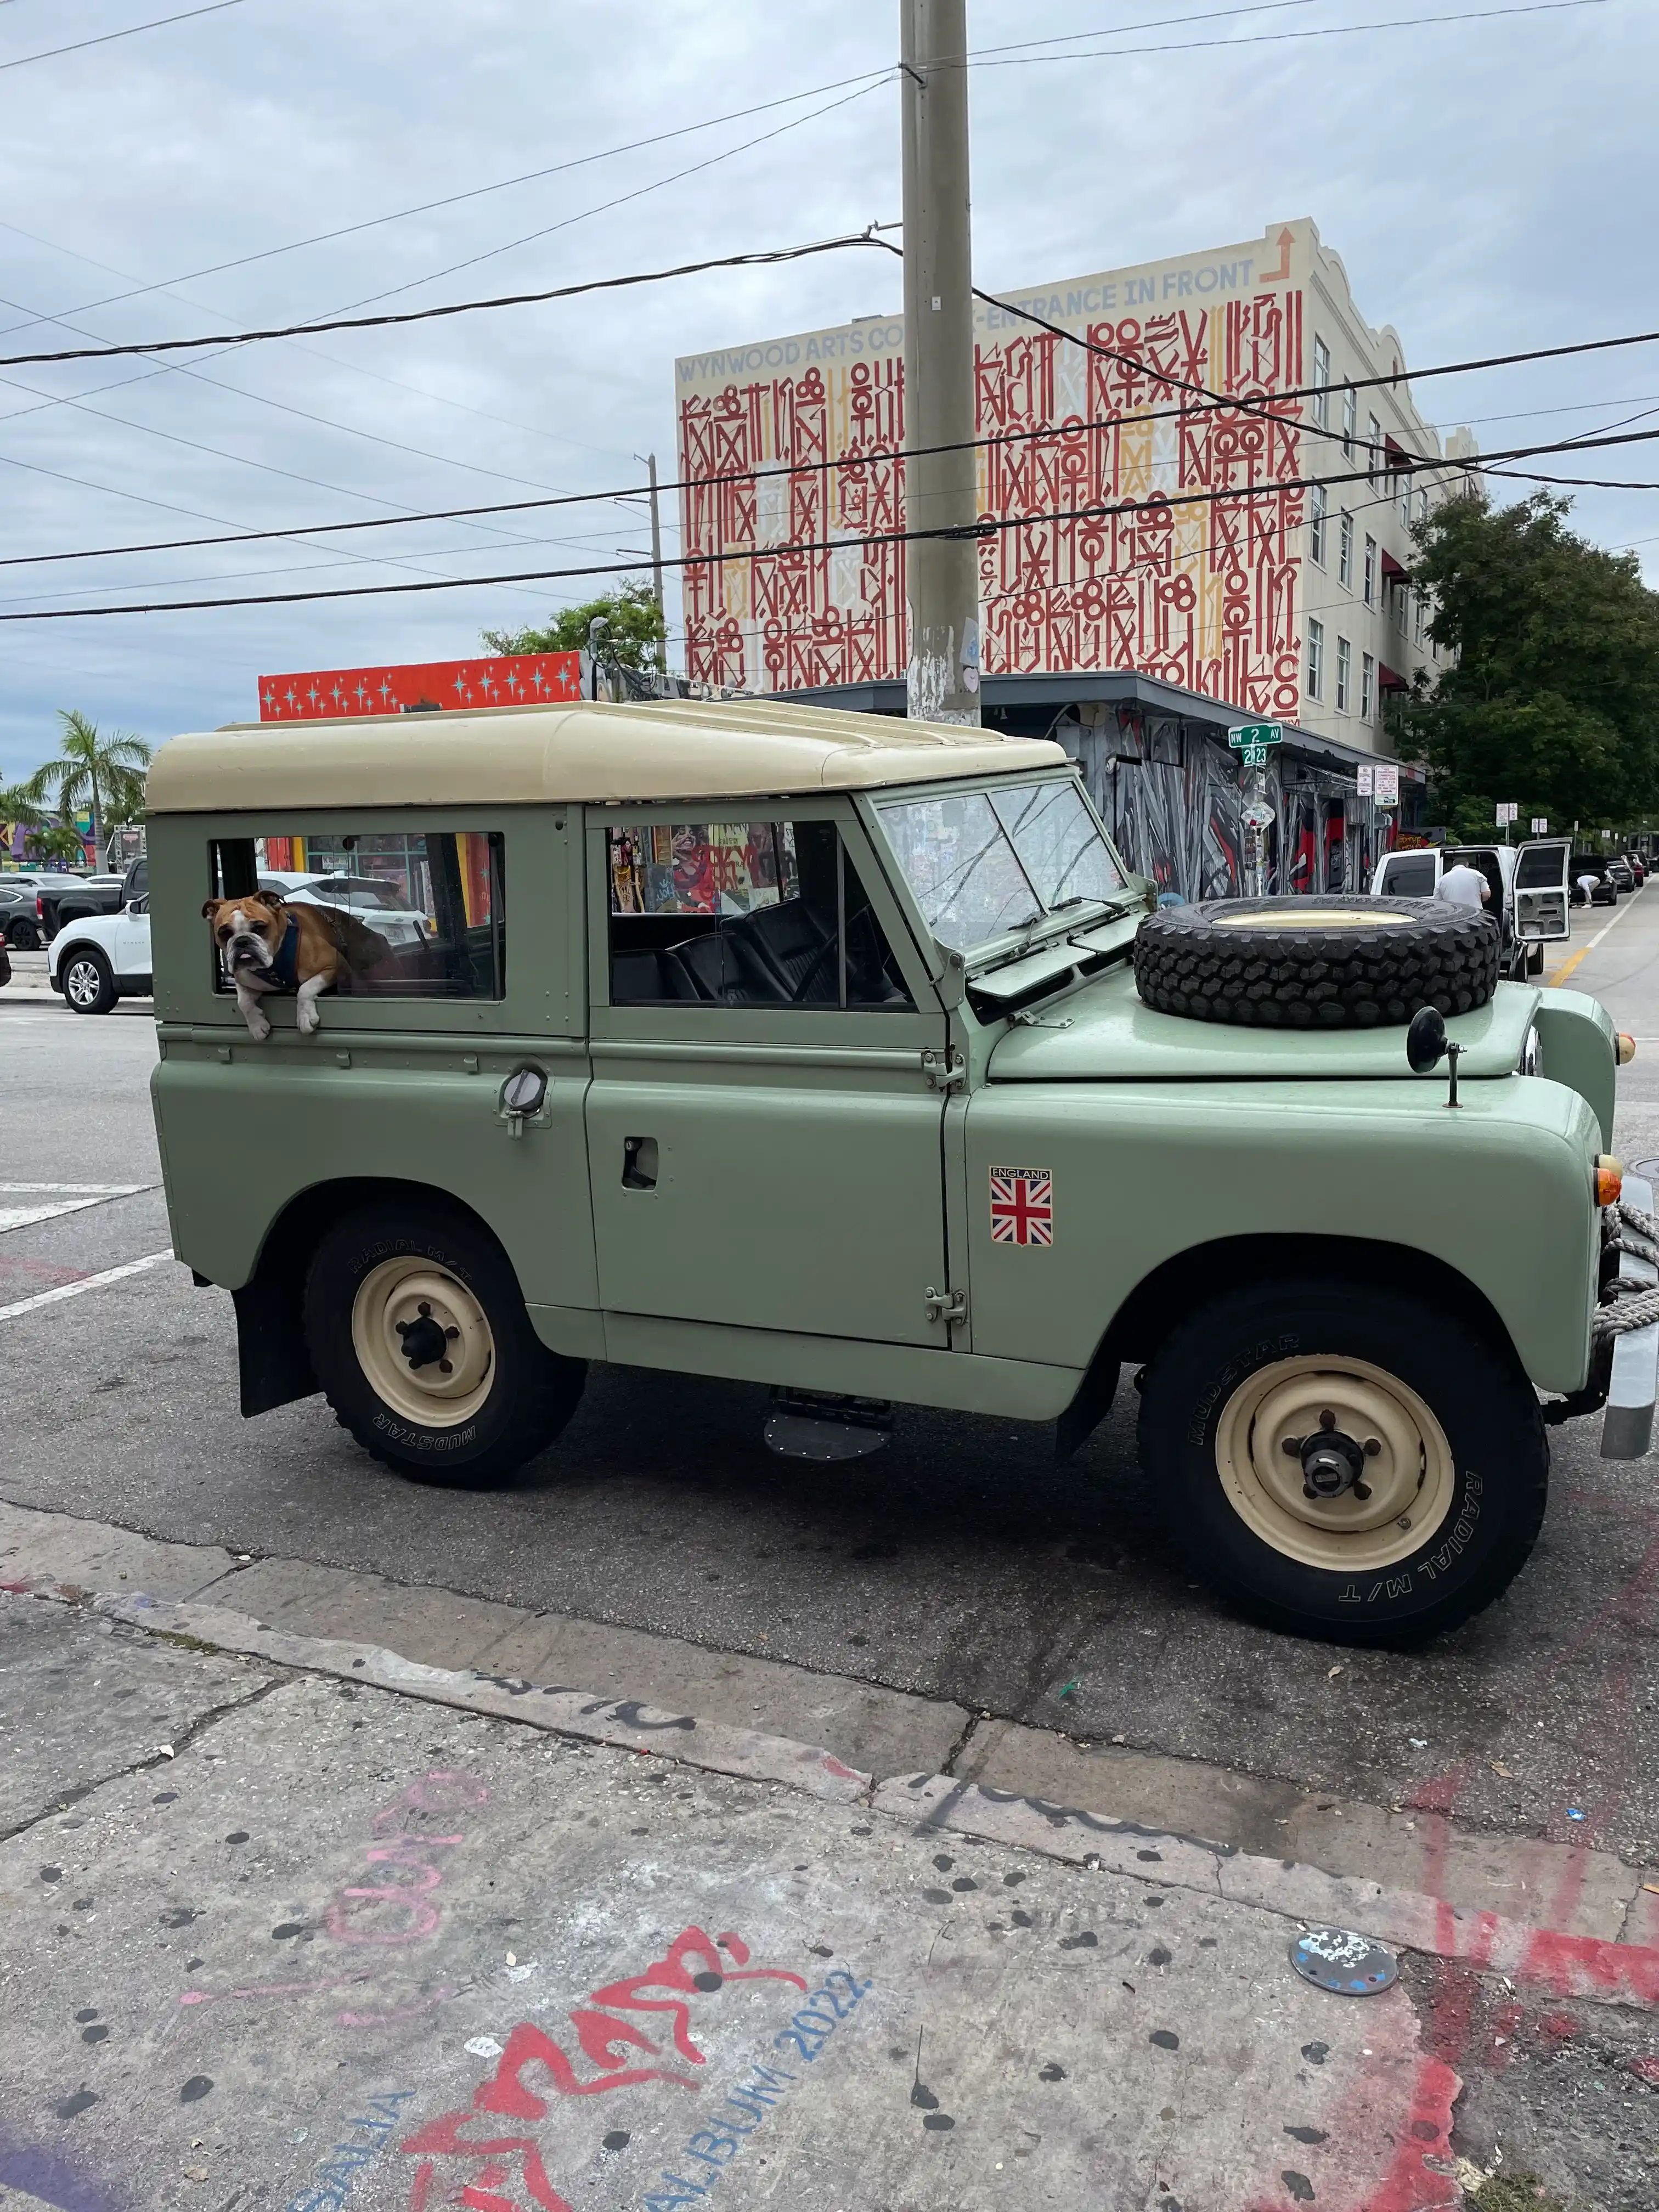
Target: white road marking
(65, 1198)
(87, 1283)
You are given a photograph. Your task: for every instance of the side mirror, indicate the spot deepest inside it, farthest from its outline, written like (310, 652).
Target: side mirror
(1427, 1046)
(1426, 1040)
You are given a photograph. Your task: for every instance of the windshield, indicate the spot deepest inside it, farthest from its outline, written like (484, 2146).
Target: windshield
(983, 863)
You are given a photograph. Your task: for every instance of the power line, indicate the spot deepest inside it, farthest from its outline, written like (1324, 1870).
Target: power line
(1102, 510)
(1279, 38)
(757, 260)
(477, 191)
(107, 38)
(1211, 402)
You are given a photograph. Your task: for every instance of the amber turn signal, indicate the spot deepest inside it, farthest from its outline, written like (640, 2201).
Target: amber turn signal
(1609, 1179)
(1625, 1045)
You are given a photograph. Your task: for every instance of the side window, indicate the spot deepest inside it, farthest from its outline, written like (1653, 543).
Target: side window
(745, 914)
(408, 916)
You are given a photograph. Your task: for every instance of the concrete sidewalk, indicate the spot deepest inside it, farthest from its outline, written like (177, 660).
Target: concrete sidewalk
(303, 1923)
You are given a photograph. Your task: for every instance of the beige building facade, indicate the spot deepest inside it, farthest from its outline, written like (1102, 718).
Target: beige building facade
(1150, 498)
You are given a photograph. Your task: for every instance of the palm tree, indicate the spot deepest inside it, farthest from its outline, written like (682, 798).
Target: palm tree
(105, 774)
(57, 842)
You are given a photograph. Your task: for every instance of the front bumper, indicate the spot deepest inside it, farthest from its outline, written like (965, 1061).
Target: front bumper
(1633, 1379)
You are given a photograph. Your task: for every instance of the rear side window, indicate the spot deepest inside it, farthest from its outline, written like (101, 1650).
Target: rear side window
(411, 916)
(1411, 877)
(745, 914)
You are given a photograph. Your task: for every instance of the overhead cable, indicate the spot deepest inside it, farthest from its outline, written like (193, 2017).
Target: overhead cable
(107, 38)
(988, 526)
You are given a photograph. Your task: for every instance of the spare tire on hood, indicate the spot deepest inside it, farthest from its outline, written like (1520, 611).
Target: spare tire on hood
(1311, 963)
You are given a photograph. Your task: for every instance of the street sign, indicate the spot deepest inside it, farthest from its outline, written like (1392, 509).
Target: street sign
(1250, 737)
(1508, 810)
(1387, 784)
(1367, 775)
(1258, 815)
(1541, 825)
(1254, 757)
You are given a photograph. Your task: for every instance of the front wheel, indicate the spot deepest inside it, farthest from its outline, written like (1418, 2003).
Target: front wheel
(89, 984)
(418, 1334)
(1345, 1462)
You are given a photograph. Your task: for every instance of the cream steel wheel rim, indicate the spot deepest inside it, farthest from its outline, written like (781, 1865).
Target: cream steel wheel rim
(1315, 917)
(1405, 1467)
(422, 1342)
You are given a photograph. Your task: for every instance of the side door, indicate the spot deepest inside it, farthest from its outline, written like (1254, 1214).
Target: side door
(1409, 875)
(764, 1145)
(1542, 892)
(131, 949)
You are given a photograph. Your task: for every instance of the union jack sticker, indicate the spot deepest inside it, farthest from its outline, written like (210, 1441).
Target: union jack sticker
(1022, 1206)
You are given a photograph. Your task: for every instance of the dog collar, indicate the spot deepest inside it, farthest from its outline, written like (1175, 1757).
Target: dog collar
(282, 965)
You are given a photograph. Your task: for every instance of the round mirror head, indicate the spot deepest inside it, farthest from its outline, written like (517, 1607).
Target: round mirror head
(524, 1091)
(1426, 1040)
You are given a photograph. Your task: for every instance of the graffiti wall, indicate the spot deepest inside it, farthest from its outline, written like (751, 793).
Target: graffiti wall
(800, 589)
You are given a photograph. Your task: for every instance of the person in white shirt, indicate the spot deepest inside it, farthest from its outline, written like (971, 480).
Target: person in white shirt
(1465, 886)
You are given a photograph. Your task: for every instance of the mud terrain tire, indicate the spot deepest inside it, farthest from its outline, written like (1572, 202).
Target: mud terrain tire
(1316, 964)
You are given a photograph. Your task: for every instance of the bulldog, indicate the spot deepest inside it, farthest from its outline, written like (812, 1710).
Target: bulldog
(264, 945)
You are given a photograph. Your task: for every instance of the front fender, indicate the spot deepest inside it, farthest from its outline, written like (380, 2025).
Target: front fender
(1581, 1050)
(1501, 1190)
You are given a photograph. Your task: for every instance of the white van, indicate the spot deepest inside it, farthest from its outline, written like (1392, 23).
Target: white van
(1529, 893)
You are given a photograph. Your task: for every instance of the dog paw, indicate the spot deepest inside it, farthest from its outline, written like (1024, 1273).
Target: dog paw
(307, 1020)
(259, 1028)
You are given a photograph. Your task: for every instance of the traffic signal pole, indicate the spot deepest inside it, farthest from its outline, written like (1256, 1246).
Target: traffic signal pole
(941, 573)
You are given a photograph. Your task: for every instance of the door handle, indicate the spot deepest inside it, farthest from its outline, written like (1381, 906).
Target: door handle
(639, 1163)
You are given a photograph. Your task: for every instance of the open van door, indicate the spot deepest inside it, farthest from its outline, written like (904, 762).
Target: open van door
(1541, 890)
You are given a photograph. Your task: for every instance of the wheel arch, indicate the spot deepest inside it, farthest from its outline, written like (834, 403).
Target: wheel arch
(1171, 1291)
(275, 1367)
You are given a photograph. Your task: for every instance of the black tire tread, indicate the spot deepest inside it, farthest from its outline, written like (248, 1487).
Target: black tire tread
(1285, 972)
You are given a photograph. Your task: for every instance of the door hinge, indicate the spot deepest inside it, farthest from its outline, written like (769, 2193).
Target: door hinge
(945, 1071)
(948, 1306)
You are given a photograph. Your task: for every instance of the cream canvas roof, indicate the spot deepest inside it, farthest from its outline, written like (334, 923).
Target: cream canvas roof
(667, 749)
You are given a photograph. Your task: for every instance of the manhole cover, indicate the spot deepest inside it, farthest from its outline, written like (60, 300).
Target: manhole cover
(1338, 1958)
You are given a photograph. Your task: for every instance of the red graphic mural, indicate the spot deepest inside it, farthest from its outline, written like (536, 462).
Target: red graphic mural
(519, 679)
(1199, 592)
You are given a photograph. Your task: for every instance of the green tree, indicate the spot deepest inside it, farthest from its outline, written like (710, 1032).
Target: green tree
(635, 638)
(1552, 697)
(18, 810)
(105, 774)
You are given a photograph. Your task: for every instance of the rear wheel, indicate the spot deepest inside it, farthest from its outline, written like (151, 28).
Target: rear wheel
(418, 1334)
(1343, 1461)
(1535, 960)
(23, 937)
(89, 984)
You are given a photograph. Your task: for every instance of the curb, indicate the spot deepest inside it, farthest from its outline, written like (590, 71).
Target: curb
(1584, 1967)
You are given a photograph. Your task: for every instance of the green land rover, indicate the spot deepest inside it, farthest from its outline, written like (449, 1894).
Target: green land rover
(844, 1055)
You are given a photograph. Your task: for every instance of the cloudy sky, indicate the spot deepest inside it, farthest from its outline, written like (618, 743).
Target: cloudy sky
(1488, 182)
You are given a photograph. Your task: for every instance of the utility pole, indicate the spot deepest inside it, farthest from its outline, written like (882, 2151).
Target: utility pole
(942, 574)
(656, 561)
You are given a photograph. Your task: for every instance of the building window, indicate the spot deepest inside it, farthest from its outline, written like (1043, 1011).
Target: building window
(1374, 449)
(1367, 687)
(1345, 553)
(1316, 659)
(1406, 500)
(1344, 664)
(1317, 524)
(1321, 377)
(1370, 572)
(1417, 618)
(1350, 420)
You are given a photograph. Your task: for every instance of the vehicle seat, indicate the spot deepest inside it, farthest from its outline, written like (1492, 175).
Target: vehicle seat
(647, 978)
(790, 939)
(727, 970)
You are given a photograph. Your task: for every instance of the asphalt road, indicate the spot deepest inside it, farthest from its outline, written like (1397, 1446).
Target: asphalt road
(959, 1562)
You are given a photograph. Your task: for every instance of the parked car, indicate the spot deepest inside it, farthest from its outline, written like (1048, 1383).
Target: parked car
(98, 958)
(20, 926)
(61, 899)
(1637, 866)
(375, 899)
(1623, 876)
(844, 1055)
(1592, 869)
(1528, 884)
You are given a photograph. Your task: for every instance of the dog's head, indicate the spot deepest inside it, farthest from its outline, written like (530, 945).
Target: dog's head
(248, 931)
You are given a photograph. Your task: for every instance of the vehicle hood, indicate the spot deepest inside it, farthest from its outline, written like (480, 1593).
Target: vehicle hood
(1112, 1036)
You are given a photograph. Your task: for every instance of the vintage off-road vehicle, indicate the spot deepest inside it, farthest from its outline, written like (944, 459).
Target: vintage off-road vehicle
(844, 1055)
